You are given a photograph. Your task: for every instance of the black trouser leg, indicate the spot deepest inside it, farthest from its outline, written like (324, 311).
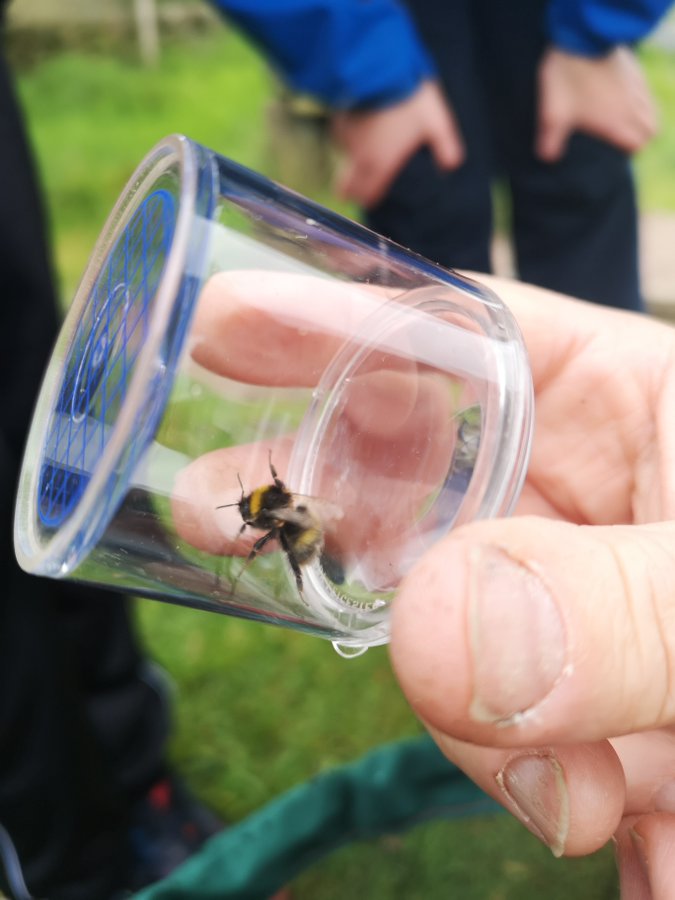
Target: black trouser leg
(81, 732)
(589, 248)
(574, 222)
(58, 802)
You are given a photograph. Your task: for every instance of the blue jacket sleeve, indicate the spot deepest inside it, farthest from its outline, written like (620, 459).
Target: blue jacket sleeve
(348, 53)
(593, 27)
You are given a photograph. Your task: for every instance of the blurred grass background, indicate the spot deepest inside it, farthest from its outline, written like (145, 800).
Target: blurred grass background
(257, 709)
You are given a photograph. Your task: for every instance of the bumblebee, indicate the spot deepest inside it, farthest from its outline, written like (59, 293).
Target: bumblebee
(286, 518)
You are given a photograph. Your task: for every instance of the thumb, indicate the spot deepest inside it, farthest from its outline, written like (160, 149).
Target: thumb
(344, 179)
(532, 631)
(363, 180)
(446, 144)
(552, 137)
(555, 121)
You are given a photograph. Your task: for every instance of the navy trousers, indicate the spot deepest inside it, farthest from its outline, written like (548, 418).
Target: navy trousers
(573, 223)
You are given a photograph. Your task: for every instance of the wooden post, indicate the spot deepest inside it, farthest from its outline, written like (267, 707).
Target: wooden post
(147, 30)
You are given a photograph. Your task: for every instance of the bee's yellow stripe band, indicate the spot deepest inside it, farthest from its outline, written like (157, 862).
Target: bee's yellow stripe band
(255, 501)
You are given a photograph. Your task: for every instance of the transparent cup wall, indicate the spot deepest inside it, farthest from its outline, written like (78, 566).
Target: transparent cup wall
(228, 333)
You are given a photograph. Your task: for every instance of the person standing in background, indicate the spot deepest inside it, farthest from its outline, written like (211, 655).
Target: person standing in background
(433, 102)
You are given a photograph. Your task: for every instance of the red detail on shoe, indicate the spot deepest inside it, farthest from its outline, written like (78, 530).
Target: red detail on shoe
(160, 795)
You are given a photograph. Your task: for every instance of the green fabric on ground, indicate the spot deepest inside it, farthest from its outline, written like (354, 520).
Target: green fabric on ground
(390, 789)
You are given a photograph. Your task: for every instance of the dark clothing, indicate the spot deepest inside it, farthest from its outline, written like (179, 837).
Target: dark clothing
(82, 730)
(574, 223)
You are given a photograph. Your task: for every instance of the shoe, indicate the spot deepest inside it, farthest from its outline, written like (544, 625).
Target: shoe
(167, 826)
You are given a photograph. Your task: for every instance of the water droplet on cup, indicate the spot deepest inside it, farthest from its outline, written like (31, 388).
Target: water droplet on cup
(349, 651)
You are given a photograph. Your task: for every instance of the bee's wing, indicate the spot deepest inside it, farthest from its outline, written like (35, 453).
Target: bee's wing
(317, 507)
(302, 517)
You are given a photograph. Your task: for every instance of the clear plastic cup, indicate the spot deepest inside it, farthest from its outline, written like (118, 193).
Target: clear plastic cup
(260, 408)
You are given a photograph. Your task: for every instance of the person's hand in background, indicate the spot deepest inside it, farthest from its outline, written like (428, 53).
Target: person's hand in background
(377, 143)
(607, 97)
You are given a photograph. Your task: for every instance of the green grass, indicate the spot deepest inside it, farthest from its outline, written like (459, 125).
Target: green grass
(479, 859)
(258, 709)
(93, 119)
(655, 165)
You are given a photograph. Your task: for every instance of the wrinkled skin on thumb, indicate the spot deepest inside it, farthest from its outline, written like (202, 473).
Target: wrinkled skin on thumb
(539, 639)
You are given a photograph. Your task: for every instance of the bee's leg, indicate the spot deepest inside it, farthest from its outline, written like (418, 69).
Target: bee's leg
(255, 550)
(275, 475)
(236, 538)
(294, 564)
(260, 543)
(217, 573)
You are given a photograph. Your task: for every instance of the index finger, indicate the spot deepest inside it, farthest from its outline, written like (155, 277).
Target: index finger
(275, 328)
